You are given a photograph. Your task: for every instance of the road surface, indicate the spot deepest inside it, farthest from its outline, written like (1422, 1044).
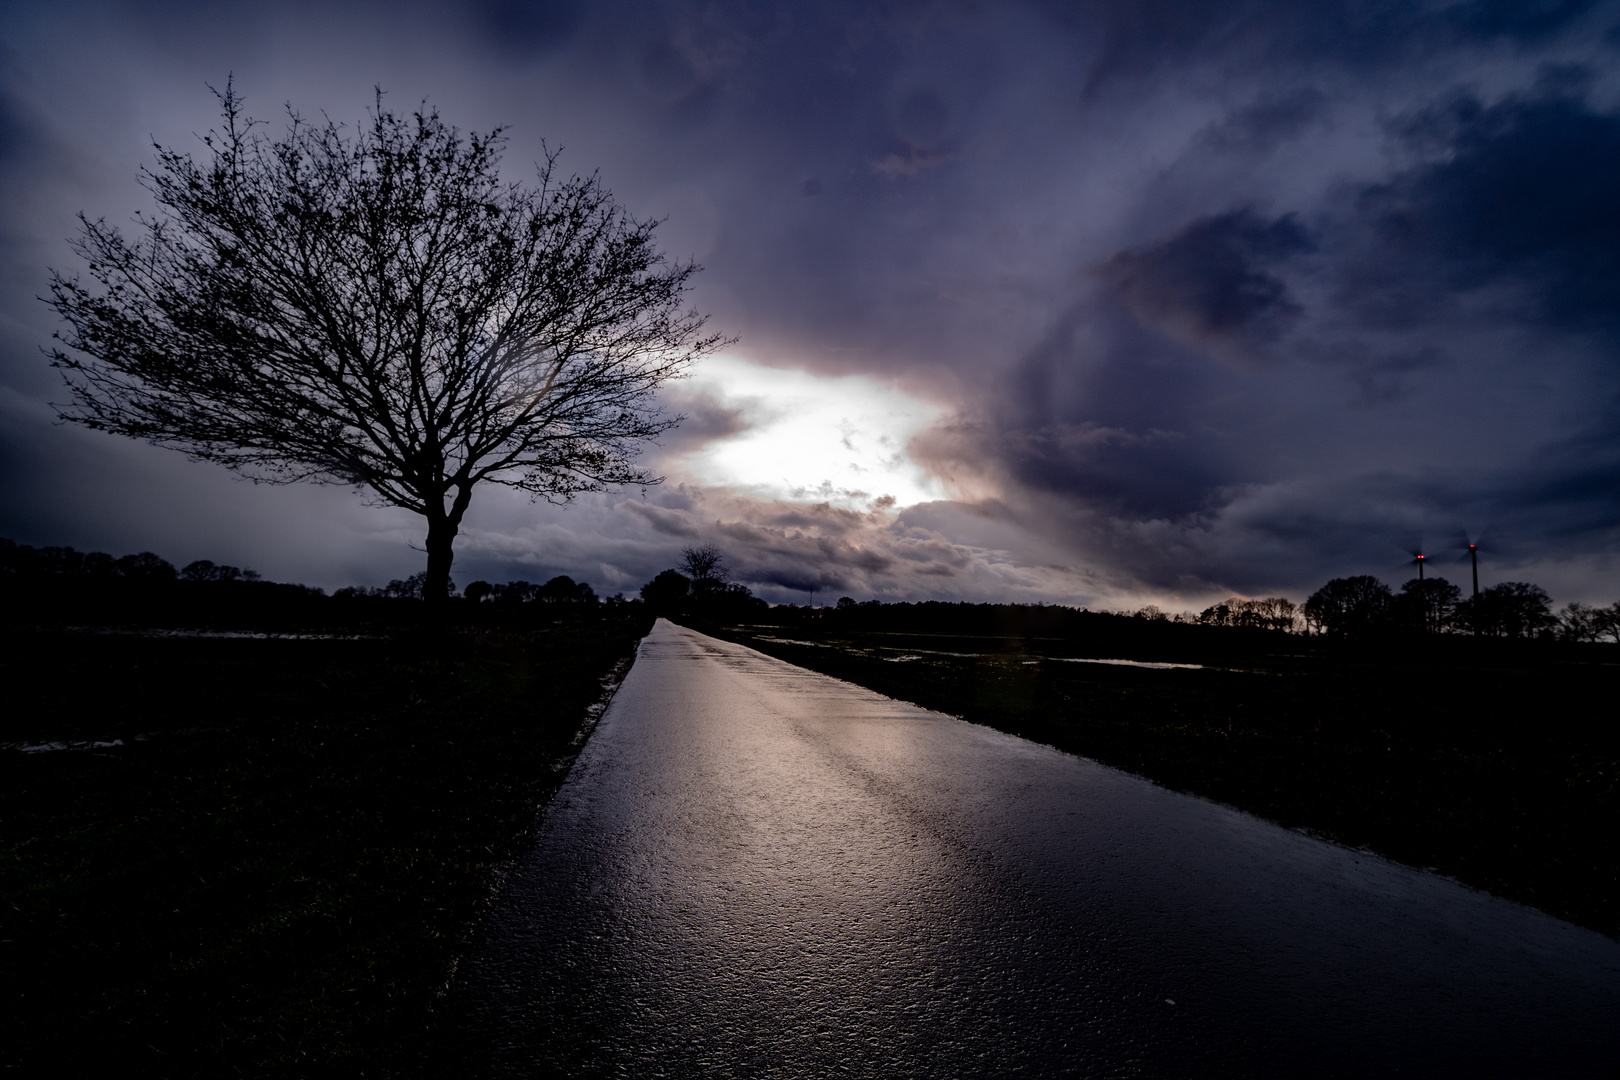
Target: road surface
(757, 871)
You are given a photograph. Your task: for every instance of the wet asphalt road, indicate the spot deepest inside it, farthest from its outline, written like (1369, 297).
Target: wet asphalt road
(755, 870)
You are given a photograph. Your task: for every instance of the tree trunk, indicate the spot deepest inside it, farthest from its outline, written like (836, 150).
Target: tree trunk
(441, 538)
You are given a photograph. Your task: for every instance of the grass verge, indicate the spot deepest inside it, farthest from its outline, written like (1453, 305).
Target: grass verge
(272, 870)
(1497, 766)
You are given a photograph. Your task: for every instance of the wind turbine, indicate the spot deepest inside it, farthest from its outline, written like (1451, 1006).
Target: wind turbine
(1472, 544)
(1423, 589)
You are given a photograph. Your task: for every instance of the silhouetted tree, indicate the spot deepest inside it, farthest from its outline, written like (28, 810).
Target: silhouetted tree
(1267, 613)
(565, 590)
(1608, 622)
(1513, 609)
(705, 567)
(478, 591)
(516, 592)
(146, 566)
(204, 570)
(100, 564)
(1579, 622)
(414, 587)
(1353, 605)
(381, 311)
(1427, 606)
(732, 601)
(667, 592)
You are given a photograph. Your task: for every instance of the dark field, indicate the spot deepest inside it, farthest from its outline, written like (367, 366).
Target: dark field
(273, 873)
(1494, 762)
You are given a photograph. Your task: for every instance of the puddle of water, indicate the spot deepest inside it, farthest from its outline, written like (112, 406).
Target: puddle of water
(921, 653)
(1124, 663)
(255, 635)
(61, 744)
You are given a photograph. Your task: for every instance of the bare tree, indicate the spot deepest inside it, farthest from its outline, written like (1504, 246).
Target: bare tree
(379, 309)
(1607, 622)
(705, 565)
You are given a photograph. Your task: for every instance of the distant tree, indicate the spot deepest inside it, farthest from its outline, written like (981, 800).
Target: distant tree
(1247, 613)
(667, 592)
(1349, 606)
(565, 590)
(1578, 622)
(1265, 613)
(736, 602)
(204, 570)
(1151, 613)
(1513, 609)
(705, 567)
(1607, 622)
(1427, 606)
(478, 591)
(146, 566)
(516, 592)
(100, 564)
(846, 603)
(413, 587)
(379, 310)
(1278, 613)
(60, 560)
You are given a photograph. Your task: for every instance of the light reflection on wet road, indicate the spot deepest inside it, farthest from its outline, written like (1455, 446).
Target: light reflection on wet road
(754, 870)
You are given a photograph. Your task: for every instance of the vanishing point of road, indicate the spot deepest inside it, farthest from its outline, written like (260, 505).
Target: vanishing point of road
(757, 871)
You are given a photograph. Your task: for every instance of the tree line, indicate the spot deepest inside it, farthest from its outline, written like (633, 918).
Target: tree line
(1363, 606)
(26, 561)
(149, 570)
(699, 585)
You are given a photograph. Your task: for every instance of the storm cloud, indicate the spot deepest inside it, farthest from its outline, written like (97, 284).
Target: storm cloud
(1207, 297)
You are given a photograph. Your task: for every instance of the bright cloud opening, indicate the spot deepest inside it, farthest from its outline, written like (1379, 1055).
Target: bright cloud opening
(813, 438)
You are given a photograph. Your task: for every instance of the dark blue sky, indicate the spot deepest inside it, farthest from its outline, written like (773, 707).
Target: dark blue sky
(1191, 298)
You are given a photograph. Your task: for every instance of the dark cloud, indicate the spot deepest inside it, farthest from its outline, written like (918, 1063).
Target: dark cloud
(530, 30)
(1211, 285)
(1272, 120)
(1520, 20)
(1523, 193)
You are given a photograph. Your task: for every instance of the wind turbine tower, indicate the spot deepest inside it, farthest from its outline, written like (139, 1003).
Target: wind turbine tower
(1423, 593)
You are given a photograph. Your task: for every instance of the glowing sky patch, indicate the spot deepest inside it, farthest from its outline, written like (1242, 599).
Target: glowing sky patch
(813, 438)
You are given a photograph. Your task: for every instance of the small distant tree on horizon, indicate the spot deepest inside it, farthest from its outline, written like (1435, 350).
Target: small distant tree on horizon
(705, 567)
(667, 591)
(379, 309)
(1350, 606)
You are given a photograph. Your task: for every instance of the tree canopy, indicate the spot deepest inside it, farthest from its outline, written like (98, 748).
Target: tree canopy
(379, 308)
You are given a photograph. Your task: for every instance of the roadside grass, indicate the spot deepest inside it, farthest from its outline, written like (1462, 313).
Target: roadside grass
(274, 871)
(1497, 766)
